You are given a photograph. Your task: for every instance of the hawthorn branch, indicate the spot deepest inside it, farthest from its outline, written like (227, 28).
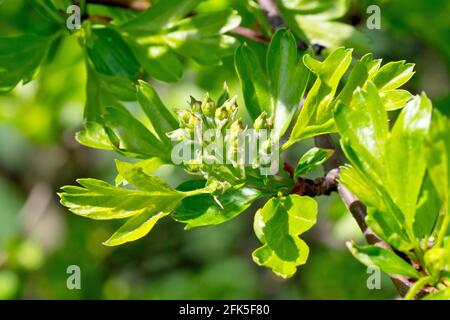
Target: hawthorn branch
(272, 13)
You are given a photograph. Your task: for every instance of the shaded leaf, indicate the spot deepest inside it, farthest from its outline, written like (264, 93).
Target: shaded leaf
(202, 210)
(311, 160)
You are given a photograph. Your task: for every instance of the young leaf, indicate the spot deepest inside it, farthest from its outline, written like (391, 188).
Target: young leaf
(202, 38)
(135, 175)
(406, 162)
(278, 225)
(393, 75)
(147, 167)
(427, 210)
(160, 15)
(384, 259)
(255, 87)
(438, 154)
(137, 227)
(395, 99)
(203, 210)
(311, 160)
(312, 21)
(364, 128)
(316, 115)
(130, 136)
(284, 69)
(99, 200)
(160, 117)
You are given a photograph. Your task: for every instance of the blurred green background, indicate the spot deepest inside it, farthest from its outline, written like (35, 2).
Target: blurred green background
(39, 239)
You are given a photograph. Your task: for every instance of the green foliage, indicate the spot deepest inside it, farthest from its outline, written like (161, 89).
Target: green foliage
(278, 225)
(396, 163)
(311, 160)
(384, 259)
(314, 22)
(272, 91)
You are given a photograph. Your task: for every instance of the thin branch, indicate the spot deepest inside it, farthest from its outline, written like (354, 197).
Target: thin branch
(272, 13)
(251, 34)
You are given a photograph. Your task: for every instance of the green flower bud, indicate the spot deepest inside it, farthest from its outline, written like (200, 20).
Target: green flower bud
(193, 121)
(208, 106)
(237, 126)
(184, 117)
(195, 105)
(261, 122)
(231, 106)
(193, 166)
(221, 113)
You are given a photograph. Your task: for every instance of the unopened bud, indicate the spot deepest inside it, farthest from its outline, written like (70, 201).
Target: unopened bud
(193, 121)
(208, 107)
(237, 126)
(195, 105)
(184, 117)
(261, 122)
(221, 113)
(231, 105)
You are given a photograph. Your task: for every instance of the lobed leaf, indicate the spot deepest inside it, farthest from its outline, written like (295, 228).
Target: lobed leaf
(278, 225)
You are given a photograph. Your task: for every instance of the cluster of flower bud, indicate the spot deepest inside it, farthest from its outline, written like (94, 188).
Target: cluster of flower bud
(207, 118)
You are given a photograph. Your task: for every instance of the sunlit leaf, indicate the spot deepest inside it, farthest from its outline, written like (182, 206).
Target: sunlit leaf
(278, 225)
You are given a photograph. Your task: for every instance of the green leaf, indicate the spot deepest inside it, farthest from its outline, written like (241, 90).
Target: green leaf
(202, 38)
(316, 116)
(318, 9)
(427, 210)
(359, 186)
(20, 59)
(332, 34)
(147, 167)
(278, 225)
(94, 136)
(110, 54)
(160, 117)
(135, 175)
(99, 200)
(395, 99)
(364, 128)
(406, 162)
(130, 136)
(358, 77)
(393, 75)
(202, 210)
(311, 160)
(159, 61)
(137, 227)
(312, 21)
(438, 154)
(255, 86)
(160, 15)
(284, 69)
(384, 259)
